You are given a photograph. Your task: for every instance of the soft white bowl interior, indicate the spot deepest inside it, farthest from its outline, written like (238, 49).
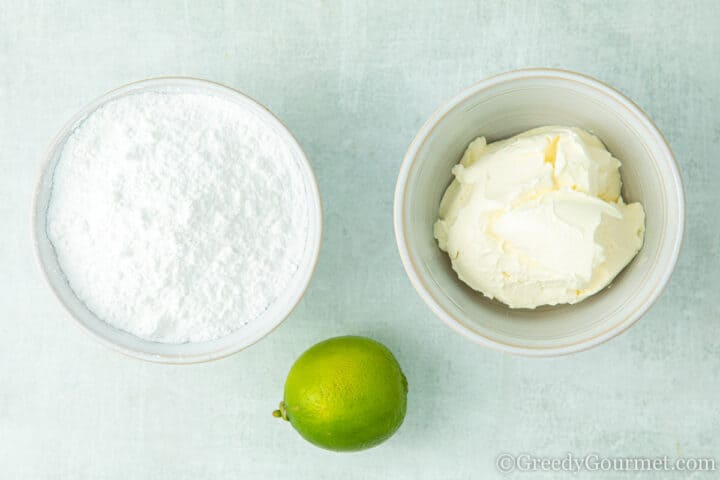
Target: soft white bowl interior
(504, 107)
(188, 352)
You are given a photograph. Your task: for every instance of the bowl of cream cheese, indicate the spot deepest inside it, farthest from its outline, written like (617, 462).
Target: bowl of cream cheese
(539, 212)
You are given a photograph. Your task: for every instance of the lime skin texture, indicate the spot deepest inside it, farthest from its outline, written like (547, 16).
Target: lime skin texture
(345, 394)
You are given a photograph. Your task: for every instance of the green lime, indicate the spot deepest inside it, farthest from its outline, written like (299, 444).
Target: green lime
(344, 394)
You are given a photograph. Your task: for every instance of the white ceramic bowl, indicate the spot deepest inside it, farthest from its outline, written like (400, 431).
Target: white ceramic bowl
(187, 352)
(500, 107)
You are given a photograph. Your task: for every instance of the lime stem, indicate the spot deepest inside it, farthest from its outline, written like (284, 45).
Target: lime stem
(280, 413)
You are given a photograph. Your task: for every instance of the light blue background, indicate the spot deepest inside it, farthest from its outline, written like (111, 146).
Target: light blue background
(354, 81)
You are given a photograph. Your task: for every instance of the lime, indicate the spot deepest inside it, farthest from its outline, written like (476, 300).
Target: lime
(344, 394)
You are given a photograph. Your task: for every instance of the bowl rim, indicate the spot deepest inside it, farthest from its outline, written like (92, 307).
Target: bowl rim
(399, 206)
(315, 229)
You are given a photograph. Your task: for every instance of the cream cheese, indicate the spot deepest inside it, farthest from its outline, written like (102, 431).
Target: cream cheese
(538, 219)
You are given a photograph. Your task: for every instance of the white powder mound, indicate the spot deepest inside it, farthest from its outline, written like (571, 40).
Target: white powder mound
(177, 217)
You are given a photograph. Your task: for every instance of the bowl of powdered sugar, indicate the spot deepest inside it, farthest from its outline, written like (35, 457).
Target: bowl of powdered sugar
(177, 220)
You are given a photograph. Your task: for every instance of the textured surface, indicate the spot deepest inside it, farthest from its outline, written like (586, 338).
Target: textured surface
(354, 81)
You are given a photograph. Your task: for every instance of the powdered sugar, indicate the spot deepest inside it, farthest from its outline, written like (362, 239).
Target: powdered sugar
(177, 217)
